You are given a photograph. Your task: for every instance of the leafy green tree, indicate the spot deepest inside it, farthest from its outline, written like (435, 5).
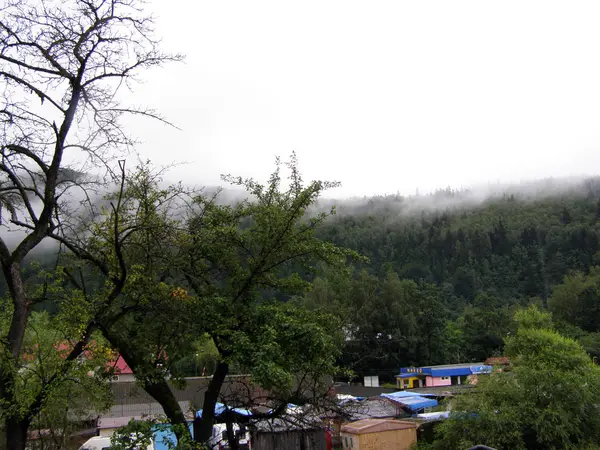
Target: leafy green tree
(72, 58)
(577, 300)
(484, 329)
(83, 391)
(141, 434)
(137, 434)
(125, 268)
(548, 399)
(238, 255)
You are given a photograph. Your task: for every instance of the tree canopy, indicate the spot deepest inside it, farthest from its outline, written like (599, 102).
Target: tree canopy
(548, 399)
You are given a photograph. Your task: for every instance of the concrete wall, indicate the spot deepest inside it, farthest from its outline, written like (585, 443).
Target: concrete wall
(123, 378)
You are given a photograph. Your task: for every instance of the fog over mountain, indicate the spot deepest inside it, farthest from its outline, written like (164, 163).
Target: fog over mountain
(443, 200)
(463, 198)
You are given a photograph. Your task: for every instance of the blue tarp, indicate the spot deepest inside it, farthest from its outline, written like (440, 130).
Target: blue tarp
(163, 432)
(220, 409)
(411, 400)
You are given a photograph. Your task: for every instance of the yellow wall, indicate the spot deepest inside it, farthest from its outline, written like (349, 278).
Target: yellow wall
(410, 380)
(385, 440)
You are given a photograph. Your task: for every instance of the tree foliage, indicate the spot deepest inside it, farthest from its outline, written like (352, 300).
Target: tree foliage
(548, 399)
(240, 260)
(61, 67)
(483, 260)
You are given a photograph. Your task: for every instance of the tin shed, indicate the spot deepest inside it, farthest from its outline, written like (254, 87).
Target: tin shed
(289, 434)
(379, 434)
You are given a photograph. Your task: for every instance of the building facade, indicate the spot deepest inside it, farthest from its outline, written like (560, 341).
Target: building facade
(447, 375)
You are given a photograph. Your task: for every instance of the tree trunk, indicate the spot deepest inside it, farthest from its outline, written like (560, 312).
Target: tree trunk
(16, 433)
(203, 426)
(231, 437)
(16, 428)
(18, 324)
(161, 392)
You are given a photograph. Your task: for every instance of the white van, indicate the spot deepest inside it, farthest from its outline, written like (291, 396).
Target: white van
(103, 443)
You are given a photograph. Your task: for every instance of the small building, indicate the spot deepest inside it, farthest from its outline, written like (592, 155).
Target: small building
(447, 375)
(288, 433)
(122, 371)
(375, 434)
(409, 381)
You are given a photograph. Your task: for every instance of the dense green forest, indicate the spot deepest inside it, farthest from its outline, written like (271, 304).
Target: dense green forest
(443, 275)
(442, 282)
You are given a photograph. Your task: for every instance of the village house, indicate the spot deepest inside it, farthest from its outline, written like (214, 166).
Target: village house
(446, 375)
(374, 434)
(122, 371)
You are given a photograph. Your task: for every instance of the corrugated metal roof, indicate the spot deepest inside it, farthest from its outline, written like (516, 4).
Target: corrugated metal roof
(413, 402)
(377, 407)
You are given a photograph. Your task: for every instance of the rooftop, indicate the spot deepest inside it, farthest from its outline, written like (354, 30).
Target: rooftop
(378, 407)
(376, 425)
(121, 367)
(443, 391)
(454, 366)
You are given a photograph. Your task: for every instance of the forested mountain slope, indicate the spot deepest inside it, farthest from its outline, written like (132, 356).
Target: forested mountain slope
(446, 271)
(441, 281)
(507, 246)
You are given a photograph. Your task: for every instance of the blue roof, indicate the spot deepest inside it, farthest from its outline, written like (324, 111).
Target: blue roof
(220, 409)
(400, 394)
(411, 400)
(454, 370)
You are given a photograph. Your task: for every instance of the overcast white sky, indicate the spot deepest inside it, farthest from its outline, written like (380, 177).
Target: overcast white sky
(383, 96)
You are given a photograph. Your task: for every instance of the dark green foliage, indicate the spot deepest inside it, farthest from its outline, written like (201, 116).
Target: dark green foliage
(548, 399)
(514, 248)
(442, 284)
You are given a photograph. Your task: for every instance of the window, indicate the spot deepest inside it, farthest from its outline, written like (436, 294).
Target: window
(351, 443)
(346, 445)
(445, 378)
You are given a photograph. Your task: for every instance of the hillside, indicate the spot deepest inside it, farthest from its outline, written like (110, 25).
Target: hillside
(446, 271)
(441, 283)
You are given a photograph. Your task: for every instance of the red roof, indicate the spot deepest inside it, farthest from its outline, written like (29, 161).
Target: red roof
(121, 367)
(64, 348)
(497, 361)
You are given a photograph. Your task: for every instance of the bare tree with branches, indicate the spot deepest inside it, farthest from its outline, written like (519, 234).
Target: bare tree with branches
(62, 63)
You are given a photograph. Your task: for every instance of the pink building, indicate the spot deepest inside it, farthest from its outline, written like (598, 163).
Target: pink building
(446, 375)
